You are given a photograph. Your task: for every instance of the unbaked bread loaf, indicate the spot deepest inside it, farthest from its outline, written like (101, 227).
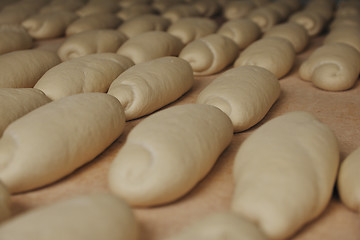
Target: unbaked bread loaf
(345, 34)
(178, 11)
(23, 68)
(264, 17)
(148, 86)
(62, 5)
(310, 20)
(91, 73)
(294, 33)
(332, 67)
(168, 153)
(218, 226)
(284, 173)
(18, 11)
(16, 102)
(151, 45)
(274, 54)
(242, 31)
(348, 181)
(237, 9)
(210, 54)
(191, 28)
(98, 6)
(5, 203)
(53, 140)
(90, 42)
(49, 25)
(207, 8)
(135, 10)
(85, 217)
(92, 22)
(14, 37)
(281, 9)
(244, 93)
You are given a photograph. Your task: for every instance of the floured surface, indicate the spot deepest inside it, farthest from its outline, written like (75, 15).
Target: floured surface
(339, 110)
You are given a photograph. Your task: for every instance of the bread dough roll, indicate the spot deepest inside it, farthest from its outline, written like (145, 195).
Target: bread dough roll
(16, 102)
(97, 7)
(89, 42)
(49, 25)
(92, 22)
(207, 8)
(23, 68)
(264, 17)
(242, 31)
(274, 54)
(346, 34)
(91, 73)
(348, 181)
(135, 10)
(351, 21)
(191, 28)
(148, 86)
(219, 226)
(5, 203)
(162, 5)
(84, 217)
(294, 5)
(14, 37)
(325, 8)
(210, 54)
(347, 9)
(237, 9)
(178, 11)
(53, 140)
(17, 12)
(311, 21)
(281, 9)
(150, 45)
(62, 5)
(284, 173)
(168, 153)
(245, 94)
(332, 67)
(144, 23)
(294, 33)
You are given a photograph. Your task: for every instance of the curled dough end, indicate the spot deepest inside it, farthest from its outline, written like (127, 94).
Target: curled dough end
(125, 95)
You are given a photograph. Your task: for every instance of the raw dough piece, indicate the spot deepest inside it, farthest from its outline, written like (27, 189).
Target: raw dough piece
(349, 35)
(162, 5)
(220, 226)
(348, 181)
(237, 9)
(91, 73)
(325, 8)
(23, 68)
(332, 67)
(347, 9)
(144, 23)
(294, 5)
(168, 153)
(151, 45)
(178, 11)
(92, 22)
(53, 140)
(98, 7)
(274, 54)
(20, 10)
(14, 37)
(284, 173)
(210, 54)
(5, 203)
(89, 42)
(49, 25)
(207, 8)
(191, 28)
(62, 5)
(351, 21)
(135, 10)
(311, 21)
(294, 33)
(242, 31)
(148, 86)
(245, 94)
(281, 9)
(264, 17)
(86, 217)
(16, 102)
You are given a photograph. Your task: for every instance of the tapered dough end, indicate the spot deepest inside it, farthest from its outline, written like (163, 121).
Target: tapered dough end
(312, 22)
(198, 55)
(348, 181)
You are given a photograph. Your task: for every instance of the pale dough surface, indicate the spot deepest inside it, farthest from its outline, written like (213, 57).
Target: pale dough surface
(237, 9)
(5, 203)
(219, 226)
(311, 21)
(178, 11)
(207, 8)
(245, 94)
(98, 7)
(23, 68)
(332, 67)
(274, 54)
(156, 165)
(89, 42)
(83, 217)
(55, 139)
(285, 172)
(14, 37)
(16, 102)
(210, 54)
(135, 10)
(264, 17)
(151, 45)
(345, 34)
(148, 86)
